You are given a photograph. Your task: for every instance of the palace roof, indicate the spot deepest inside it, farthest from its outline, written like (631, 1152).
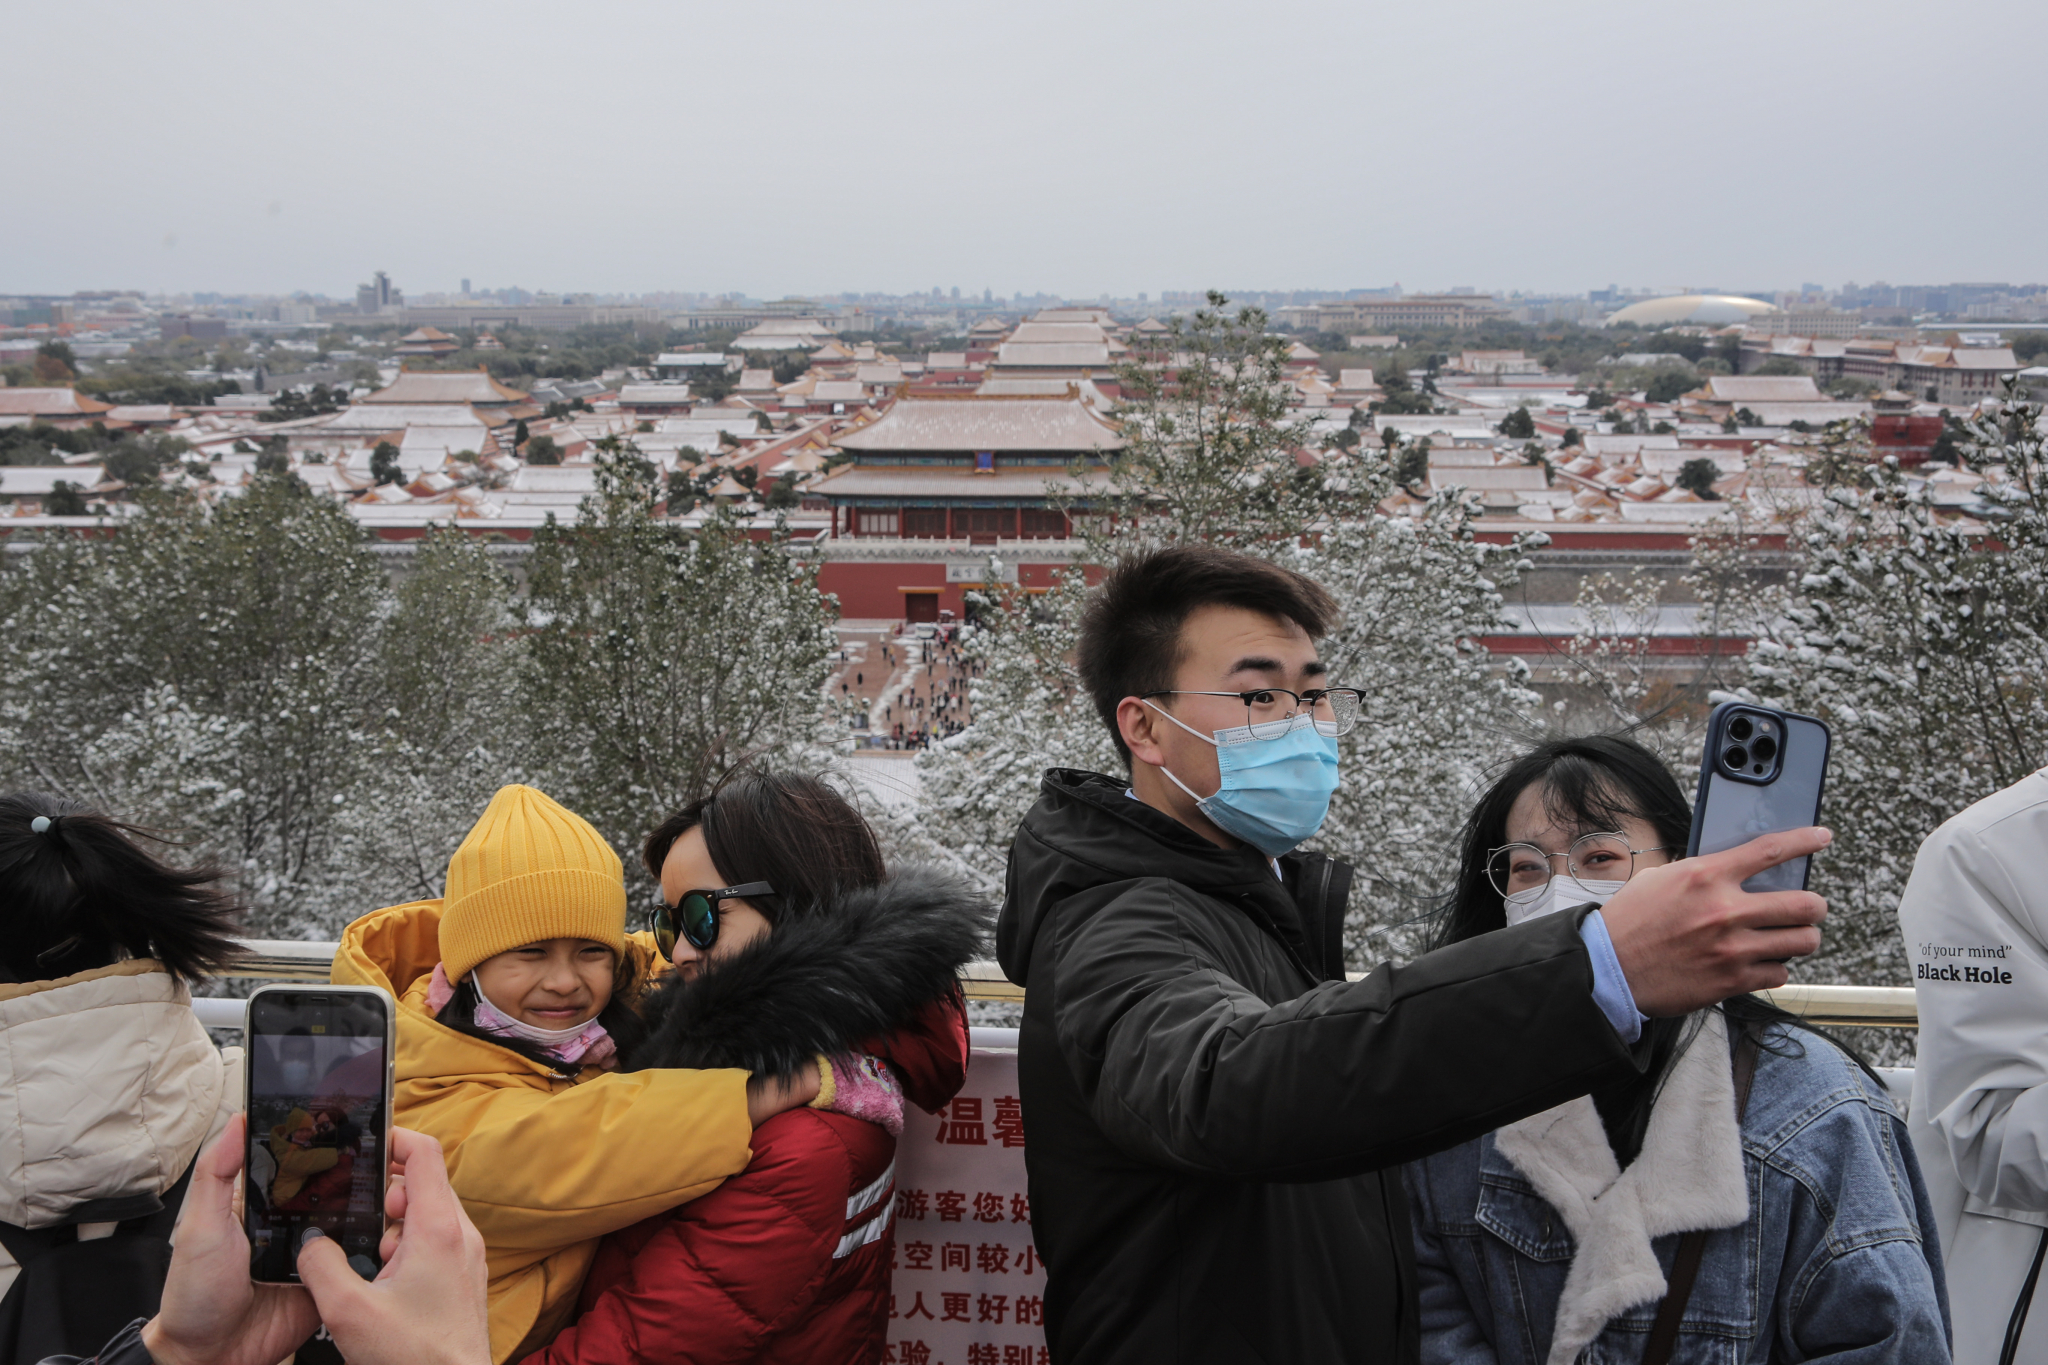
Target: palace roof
(446, 386)
(53, 402)
(917, 425)
(1760, 388)
(1053, 355)
(1082, 333)
(1014, 485)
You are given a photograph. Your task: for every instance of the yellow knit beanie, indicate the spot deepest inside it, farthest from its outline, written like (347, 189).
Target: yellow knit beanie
(530, 870)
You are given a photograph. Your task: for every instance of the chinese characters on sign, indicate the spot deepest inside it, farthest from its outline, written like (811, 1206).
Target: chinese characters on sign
(967, 1287)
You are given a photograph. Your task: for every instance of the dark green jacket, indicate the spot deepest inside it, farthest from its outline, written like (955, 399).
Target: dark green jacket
(1215, 1119)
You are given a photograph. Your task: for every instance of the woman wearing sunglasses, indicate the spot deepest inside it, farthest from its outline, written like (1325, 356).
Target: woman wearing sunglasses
(515, 991)
(791, 944)
(1751, 1196)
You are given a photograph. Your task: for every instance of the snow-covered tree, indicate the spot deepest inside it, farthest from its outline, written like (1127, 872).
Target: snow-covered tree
(1210, 442)
(1922, 640)
(451, 731)
(1029, 714)
(245, 676)
(212, 671)
(1215, 458)
(1416, 593)
(656, 660)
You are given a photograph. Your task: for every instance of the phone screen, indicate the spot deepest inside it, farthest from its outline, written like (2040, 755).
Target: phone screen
(318, 1061)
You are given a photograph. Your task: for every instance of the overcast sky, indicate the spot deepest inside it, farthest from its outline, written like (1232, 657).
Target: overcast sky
(788, 147)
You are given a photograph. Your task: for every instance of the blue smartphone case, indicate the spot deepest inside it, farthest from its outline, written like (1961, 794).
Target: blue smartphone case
(1730, 811)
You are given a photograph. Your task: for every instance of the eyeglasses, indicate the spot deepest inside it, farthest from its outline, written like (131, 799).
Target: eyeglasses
(1270, 712)
(1605, 857)
(694, 917)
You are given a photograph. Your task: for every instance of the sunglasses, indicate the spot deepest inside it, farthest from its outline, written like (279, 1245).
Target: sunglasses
(694, 918)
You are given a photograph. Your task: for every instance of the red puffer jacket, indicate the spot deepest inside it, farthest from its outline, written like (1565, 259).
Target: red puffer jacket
(788, 1261)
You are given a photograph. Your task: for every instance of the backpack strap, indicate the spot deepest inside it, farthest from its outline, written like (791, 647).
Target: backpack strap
(28, 1245)
(1685, 1264)
(2017, 1323)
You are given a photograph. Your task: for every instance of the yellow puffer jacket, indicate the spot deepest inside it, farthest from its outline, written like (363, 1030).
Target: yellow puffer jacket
(544, 1166)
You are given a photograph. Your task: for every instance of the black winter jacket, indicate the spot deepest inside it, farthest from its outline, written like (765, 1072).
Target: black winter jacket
(1215, 1119)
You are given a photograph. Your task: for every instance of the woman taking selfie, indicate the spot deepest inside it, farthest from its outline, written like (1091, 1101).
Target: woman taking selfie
(1750, 1197)
(790, 941)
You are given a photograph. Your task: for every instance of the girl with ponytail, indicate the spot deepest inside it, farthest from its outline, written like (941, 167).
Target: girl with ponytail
(109, 1087)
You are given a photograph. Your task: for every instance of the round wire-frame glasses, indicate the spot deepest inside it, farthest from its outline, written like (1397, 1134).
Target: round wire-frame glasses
(1270, 712)
(1603, 857)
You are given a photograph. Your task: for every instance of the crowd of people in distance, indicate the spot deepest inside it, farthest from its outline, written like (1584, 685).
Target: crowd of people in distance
(909, 719)
(1569, 1132)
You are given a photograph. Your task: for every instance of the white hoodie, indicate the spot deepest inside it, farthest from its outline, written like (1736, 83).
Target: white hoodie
(108, 1087)
(1975, 921)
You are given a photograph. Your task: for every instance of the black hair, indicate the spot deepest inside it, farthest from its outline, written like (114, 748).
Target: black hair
(620, 1018)
(1590, 783)
(790, 830)
(82, 893)
(1130, 642)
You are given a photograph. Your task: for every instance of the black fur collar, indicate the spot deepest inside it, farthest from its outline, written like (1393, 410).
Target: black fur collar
(823, 983)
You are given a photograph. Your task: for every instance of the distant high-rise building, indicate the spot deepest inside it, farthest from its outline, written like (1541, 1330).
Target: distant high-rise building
(465, 286)
(379, 295)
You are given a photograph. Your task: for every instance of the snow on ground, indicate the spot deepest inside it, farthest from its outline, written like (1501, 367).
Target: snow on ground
(886, 776)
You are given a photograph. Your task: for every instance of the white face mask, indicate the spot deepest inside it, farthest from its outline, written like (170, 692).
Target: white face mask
(1559, 893)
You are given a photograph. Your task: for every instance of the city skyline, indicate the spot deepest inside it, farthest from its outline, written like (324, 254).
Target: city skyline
(1068, 151)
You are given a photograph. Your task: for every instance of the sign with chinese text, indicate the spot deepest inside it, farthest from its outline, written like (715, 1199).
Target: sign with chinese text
(978, 572)
(968, 1287)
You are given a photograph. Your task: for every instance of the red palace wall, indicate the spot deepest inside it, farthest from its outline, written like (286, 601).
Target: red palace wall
(879, 590)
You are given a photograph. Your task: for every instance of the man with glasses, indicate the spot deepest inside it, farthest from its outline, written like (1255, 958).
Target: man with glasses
(1210, 1107)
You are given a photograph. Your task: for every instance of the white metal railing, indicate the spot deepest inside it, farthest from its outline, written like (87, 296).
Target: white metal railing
(1867, 1006)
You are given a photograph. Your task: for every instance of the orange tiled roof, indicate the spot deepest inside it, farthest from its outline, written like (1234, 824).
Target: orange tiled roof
(53, 402)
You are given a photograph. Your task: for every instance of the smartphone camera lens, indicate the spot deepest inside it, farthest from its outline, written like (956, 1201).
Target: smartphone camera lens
(1763, 749)
(1736, 758)
(1739, 729)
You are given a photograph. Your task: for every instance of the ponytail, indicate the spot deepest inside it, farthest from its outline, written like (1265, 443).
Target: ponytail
(78, 892)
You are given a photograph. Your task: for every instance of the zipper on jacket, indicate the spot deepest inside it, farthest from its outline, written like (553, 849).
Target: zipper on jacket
(1333, 970)
(1265, 922)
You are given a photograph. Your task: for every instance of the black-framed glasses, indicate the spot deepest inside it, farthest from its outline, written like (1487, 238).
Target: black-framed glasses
(1270, 712)
(1605, 857)
(694, 917)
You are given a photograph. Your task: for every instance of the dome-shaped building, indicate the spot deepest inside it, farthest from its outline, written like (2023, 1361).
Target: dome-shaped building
(1699, 310)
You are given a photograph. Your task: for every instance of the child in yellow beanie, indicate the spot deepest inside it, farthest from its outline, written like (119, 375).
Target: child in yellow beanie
(514, 990)
(533, 935)
(298, 1160)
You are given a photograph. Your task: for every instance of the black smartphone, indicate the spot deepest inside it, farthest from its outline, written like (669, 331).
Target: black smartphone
(1762, 772)
(319, 1105)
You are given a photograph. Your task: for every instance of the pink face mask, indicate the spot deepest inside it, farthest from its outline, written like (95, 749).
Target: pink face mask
(587, 1044)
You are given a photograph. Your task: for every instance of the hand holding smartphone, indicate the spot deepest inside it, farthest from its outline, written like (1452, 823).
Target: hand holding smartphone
(1762, 773)
(319, 1073)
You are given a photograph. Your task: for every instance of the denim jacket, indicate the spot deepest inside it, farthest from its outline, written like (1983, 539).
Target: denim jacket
(1838, 1259)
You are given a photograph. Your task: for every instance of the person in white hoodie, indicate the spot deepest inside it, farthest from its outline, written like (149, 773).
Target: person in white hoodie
(1975, 921)
(109, 1087)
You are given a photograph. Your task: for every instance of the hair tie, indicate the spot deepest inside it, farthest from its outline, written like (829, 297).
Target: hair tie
(42, 824)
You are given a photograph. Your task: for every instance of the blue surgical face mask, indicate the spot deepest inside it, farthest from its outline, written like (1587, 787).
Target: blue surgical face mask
(1275, 792)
